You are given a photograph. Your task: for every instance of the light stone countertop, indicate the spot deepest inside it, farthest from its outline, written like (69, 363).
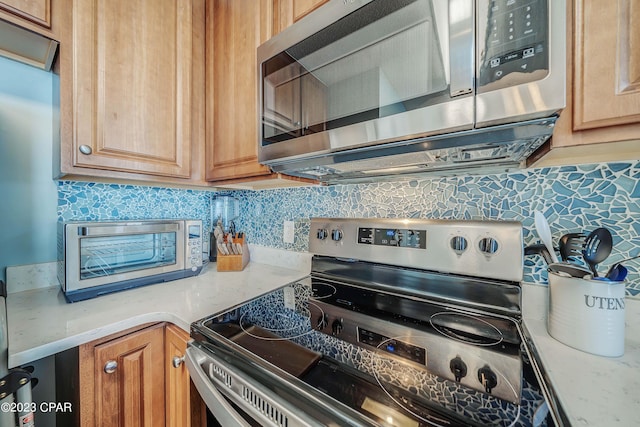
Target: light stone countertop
(40, 322)
(592, 390)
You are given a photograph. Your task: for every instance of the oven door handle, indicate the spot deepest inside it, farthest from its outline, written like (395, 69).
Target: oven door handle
(215, 401)
(126, 229)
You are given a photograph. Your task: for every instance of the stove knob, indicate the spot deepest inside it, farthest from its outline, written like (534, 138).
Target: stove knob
(488, 246)
(336, 327)
(458, 368)
(323, 321)
(458, 244)
(336, 235)
(487, 378)
(322, 233)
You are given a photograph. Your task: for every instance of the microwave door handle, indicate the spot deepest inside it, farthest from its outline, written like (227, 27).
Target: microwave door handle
(216, 402)
(113, 230)
(461, 47)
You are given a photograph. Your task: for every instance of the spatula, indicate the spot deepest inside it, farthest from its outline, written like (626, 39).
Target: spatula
(570, 245)
(542, 227)
(597, 247)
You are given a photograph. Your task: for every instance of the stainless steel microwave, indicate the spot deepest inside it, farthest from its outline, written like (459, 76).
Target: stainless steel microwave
(365, 88)
(96, 258)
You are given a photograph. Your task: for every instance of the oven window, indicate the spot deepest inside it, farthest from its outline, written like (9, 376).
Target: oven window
(384, 58)
(106, 256)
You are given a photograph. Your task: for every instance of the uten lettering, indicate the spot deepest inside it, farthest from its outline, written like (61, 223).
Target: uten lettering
(602, 303)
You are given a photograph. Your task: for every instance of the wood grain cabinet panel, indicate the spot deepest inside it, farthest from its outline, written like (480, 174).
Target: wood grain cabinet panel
(132, 81)
(37, 11)
(287, 12)
(607, 73)
(235, 28)
(130, 98)
(603, 83)
(129, 379)
(178, 398)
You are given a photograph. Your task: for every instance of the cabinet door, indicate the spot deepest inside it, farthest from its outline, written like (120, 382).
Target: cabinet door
(129, 380)
(177, 378)
(37, 11)
(235, 28)
(131, 82)
(607, 63)
(286, 12)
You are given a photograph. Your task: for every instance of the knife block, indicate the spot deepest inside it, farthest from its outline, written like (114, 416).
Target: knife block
(234, 262)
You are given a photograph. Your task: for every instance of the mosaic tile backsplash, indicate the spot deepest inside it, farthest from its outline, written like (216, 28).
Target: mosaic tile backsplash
(573, 198)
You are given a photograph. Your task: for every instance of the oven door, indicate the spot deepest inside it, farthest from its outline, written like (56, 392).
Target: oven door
(242, 389)
(380, 71)
(236, 398)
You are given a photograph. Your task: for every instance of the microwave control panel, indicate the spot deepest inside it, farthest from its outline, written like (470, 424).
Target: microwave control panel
(513, 41)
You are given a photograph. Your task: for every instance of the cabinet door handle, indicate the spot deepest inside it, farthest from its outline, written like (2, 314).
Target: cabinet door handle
(177, 361)
(110, 366)
(85, 149)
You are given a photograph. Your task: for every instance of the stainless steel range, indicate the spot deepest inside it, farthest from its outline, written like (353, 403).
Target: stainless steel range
(402, 322)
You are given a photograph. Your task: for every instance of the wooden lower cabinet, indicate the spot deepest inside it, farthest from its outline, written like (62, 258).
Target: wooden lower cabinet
(129, 380)
(178, 390)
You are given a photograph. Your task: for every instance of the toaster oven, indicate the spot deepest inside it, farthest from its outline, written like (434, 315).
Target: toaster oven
(96, 258)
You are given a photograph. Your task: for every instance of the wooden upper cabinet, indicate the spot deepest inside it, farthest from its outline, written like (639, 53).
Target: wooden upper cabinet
(286, 12)
(607, 67)
(603, 74)
(128, 98)
(235, 29)
(36, 11)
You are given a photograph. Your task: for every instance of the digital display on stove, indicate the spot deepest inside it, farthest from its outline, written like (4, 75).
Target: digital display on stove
(392, 346)
(403, 238)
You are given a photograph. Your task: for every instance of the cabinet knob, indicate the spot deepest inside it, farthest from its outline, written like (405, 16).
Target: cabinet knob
(85, 149)
(177, 361)
(110, 366)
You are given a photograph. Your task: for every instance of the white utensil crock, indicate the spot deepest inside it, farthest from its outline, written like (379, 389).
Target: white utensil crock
(587, 314)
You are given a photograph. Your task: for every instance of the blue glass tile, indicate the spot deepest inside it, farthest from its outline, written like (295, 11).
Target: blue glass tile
(636, 191)
(617, 167)
(574, 198)
(596, 174)
(560, 188)
(579, 204)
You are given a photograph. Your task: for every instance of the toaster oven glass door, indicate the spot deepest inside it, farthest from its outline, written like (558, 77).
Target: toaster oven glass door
(111, 255)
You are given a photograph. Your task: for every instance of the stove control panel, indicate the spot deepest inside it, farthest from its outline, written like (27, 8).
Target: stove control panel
(487, 249)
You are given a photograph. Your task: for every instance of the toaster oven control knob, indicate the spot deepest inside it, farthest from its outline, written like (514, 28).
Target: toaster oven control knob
(322, 233)
(487, 378)
(458, 368)
(488, 245)
(336, 327)
(458, 244)
(336, 235)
